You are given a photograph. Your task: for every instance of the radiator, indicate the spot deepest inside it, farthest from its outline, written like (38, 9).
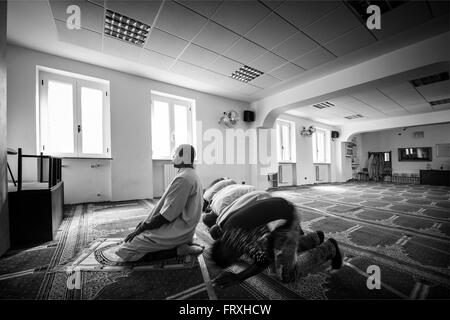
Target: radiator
(285, 173)
(169, 173)
(321, 173)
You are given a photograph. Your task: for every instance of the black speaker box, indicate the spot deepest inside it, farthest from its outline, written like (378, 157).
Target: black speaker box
(249, 116)
(334, 134)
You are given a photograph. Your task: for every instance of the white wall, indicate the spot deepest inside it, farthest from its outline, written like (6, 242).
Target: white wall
(390, 140)
(131, 167)
(4, 213)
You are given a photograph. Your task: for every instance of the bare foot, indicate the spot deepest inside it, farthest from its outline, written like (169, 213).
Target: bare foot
(185, 250)
(196, 244)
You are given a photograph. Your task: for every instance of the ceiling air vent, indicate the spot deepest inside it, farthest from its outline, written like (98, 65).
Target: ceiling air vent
(323, 105)
(126, 29)
(246, 74)
(443, 76)
(360, 6)
(355, 116)
(438, 102)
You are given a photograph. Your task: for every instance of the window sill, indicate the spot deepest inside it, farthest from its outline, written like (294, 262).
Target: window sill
(322, 163)
(287, 162)
(87, 158)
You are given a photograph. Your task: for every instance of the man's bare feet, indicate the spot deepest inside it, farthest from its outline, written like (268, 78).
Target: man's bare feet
(196, 244)
(185, 250)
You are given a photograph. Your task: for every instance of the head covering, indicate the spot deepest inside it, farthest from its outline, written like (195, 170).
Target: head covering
(184, 156)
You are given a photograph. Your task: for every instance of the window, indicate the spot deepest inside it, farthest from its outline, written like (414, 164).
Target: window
(73, 116)
(172, 124)
(321, 146)
(285, 141)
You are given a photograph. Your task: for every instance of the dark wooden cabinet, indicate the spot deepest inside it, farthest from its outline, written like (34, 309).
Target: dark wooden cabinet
(35, 215)
(435, 177)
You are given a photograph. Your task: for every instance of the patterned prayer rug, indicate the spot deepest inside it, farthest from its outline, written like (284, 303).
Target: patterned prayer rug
(401, 229)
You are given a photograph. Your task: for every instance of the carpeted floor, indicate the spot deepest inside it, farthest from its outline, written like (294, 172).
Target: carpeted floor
(402, 229)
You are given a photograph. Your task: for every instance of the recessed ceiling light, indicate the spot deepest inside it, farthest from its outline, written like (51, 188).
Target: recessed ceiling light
(125, 28)
(246, 74)
(438, 77)
(355, 116)
(323, 105)
(438, 102)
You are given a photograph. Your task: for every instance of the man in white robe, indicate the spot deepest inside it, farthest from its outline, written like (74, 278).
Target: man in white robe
(170, 227)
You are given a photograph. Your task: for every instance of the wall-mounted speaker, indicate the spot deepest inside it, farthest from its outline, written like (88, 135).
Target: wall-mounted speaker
(334, 134)
(249, 116)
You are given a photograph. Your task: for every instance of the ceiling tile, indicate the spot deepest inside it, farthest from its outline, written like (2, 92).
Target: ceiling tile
(80, 37)
(377, 100)
(271, 31)
(186, 69)
(286, 71)
(235, 85)
(211, 77)
(267, 62)
(361, 108)
(273, 4)
(397, 113)
(303, 13)
(215, 37)
(404, 94)
(249, 89)
(439, 7)
(143, 11)
(121, 49)
(265, 81)
(197, 73)
(435, 91)
(224, 66)
(350, 41)
(295, 46)
(179, 21)
(343, 100)
(198, 55)
(334, 24)
(206, 8)
(314, 58)
(419, 108)
(403, 17)
(91, 14)
(240, 16)
(155, 59)
(165, 43)
(244, 51)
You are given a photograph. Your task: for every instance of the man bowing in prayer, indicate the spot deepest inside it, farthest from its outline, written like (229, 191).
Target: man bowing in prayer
(169, 229)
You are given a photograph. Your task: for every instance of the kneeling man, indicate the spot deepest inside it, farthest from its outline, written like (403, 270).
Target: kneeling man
(170, 227)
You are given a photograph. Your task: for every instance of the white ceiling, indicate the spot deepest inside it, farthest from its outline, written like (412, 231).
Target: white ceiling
(199, 44)
(380, 103)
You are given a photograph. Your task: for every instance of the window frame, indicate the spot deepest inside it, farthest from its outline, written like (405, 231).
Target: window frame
(172, 101)
(77, 83)
(327, 146)
(280, 123)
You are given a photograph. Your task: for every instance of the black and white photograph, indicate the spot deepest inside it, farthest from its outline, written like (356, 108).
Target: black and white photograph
(216, 157)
